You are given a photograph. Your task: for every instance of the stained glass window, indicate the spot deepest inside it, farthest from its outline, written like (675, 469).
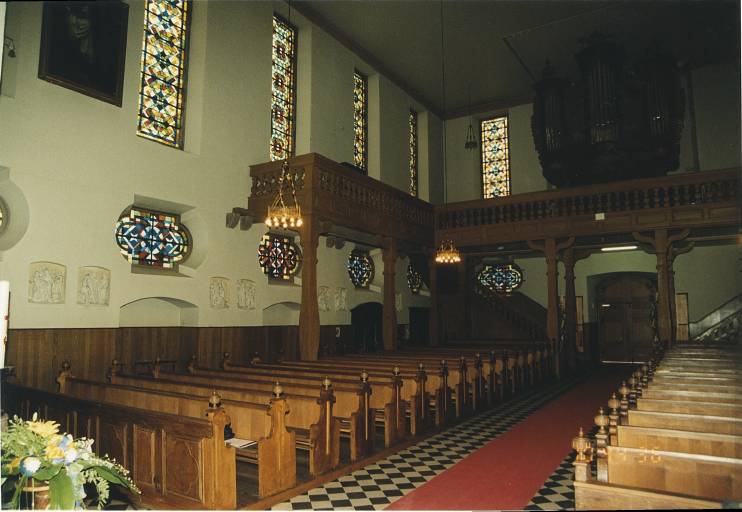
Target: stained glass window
(283, 90)
(360, 120)
(495, 157)
(279, 256)
(360, 269)
(163, 81)
(152, 239)
(414, 279)
(500, 278)
(413, 152)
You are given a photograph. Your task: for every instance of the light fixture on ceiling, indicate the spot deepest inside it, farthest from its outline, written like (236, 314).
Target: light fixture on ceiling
(447, 252)
(471, 138)
(619, 248)
(281, 215)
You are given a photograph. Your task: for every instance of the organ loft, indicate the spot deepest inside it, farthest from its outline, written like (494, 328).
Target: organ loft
(365, 255)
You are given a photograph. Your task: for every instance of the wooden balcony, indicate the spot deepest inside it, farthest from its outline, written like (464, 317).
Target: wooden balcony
(692, 200)
(338, 196)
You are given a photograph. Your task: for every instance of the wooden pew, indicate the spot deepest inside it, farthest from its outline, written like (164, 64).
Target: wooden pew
(690, 407)
(697, 396)
(177, 462)
(275, 456)
(655, 439)
(691, 422)
(385, 396)
(419, 387)
(352, 399)
(311, 417)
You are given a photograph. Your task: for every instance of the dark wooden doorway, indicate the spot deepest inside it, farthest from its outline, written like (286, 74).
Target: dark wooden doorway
(625, 307)
(419, 326)
(366, 321)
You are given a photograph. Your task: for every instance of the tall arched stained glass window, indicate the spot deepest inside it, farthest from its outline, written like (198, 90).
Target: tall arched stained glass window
(283, 90)
(360, 269)
(360, 120)
(152, 239)
(413, 152)
(279, 257)
(500, 278)
(163, 80)
(495, 157)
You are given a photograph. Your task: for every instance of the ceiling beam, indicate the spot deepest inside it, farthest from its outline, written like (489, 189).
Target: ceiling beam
(317, 19)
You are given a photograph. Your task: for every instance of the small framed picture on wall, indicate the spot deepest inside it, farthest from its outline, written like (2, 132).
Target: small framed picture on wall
(83, 47)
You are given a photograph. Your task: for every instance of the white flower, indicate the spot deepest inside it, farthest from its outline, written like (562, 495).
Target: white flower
(30, 465)
(70, 455)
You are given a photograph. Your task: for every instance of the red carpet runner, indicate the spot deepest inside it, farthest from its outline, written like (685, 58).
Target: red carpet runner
(509, 470)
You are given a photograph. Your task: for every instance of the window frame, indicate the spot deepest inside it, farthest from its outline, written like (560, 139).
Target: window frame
(505, 115)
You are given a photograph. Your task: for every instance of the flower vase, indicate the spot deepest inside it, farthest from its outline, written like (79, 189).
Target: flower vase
(37, 494)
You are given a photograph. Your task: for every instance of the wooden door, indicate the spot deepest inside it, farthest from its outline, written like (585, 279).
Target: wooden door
(624, 318)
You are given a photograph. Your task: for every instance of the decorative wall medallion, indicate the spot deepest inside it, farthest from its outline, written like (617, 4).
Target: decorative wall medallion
(398, 302)
(323, 298)
(47, 282)
(245, 294)
(500, 278)
(341, 299)
(93, 286)
(219, 292)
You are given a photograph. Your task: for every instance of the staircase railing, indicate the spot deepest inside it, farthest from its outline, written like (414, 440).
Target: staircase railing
(716, 317)
(534, 328)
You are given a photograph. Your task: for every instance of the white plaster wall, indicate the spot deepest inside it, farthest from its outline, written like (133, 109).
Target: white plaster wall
(79, 162)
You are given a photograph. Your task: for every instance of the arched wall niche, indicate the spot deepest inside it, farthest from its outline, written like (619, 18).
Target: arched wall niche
(158, 312)
(281, 313)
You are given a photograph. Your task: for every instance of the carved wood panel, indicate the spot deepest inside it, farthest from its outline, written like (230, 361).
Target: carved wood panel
(144, 440)
(113, 439)
(184, 466)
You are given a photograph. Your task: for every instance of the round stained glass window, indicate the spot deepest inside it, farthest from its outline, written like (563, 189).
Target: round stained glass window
(360, 269)
(279, 256)
(500, 278)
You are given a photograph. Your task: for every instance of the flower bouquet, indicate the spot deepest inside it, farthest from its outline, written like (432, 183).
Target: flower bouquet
(34, 453)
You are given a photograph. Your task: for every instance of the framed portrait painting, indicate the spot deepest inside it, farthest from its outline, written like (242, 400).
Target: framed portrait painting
(83, 47)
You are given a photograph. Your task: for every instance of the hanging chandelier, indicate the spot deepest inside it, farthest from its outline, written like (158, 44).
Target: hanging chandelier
(281, 215)
(447, 253)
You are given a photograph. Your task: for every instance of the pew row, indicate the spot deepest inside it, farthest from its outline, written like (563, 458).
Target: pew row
(178, 462)
(262, 422)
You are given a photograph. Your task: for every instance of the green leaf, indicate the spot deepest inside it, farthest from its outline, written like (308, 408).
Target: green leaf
(47, 473)
(61, 493)
(111, 476)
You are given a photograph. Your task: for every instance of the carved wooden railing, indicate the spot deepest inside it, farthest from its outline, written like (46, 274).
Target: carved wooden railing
(709, 198)
(338, 196)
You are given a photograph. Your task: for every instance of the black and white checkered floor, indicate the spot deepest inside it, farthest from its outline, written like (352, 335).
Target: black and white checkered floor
(377, 485)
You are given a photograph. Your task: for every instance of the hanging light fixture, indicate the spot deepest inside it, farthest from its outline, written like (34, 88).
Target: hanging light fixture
(447, 252)
(471, 138)
(281, 215)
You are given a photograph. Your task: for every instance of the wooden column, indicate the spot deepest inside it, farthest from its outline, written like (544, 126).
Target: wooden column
(570, 306)
(389, 327)
(309, 312)
(433, 287)
(551, 249)
(661, 244)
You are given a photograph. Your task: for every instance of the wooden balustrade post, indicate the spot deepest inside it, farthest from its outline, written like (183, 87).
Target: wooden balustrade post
(601, 445)
(64, 375)
(309, 312)
(613, 404)
(220, 475)
(624, 404)
(583, 457)
(389, 327)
